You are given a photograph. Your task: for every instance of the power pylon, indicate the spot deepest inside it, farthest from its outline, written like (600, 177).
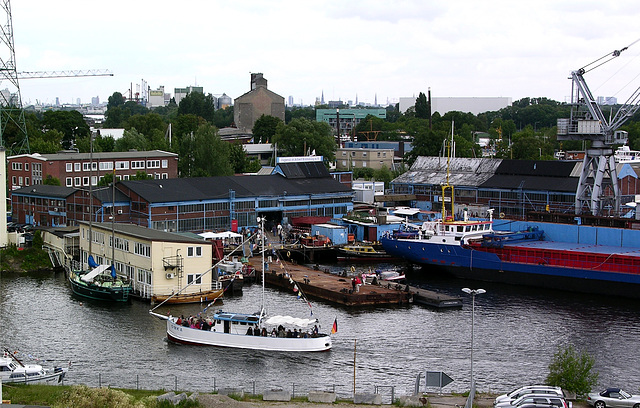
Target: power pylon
(10, 97)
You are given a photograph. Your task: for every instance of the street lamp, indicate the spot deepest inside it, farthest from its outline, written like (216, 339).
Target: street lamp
(473, 293)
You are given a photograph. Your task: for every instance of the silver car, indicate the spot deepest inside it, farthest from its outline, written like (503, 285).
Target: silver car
(549, 399)
(613, 398)
(529, 389)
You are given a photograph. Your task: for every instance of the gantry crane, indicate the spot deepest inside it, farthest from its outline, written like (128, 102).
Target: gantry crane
(598, 190)
(11, 99)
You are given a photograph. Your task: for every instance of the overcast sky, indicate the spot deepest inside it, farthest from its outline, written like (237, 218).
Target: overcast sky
(388, 48)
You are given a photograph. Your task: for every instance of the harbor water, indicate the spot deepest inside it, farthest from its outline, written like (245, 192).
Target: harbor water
(516, 332)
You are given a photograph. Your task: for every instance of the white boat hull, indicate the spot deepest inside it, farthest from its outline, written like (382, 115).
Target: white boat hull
(217, 337)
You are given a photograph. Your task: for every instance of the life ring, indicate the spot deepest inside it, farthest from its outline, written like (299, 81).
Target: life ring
(501, 215)
(288, 254)
(353, 269)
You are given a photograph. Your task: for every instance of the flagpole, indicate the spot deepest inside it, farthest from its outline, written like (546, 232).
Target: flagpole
(354, 368)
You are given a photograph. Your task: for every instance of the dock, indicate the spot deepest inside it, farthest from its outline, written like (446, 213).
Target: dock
(338, 289)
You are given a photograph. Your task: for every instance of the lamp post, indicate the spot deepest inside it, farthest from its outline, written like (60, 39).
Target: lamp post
(473, 293)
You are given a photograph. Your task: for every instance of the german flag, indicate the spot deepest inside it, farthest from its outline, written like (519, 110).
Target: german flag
(334, 328)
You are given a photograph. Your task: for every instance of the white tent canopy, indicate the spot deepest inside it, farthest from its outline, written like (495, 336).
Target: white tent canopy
(289, 320)
(220, 235)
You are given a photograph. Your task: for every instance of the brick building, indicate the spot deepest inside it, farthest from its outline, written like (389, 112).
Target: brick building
(257, 102)
(75, 169)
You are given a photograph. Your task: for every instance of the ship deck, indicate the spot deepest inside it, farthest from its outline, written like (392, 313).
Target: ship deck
(577, 247)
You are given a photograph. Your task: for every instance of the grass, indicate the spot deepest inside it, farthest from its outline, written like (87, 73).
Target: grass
(85, 397)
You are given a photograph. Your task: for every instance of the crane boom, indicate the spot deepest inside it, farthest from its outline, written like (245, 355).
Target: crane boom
(64, 73)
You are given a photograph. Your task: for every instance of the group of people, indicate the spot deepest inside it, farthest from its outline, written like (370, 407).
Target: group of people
(195, 322)
(282, 332)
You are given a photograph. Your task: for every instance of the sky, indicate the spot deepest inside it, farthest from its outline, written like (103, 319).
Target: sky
(344, 49)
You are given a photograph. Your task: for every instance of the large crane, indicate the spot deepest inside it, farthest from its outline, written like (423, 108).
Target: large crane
(11, 98)
(598, 191)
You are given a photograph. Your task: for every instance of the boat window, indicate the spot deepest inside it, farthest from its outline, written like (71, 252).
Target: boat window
(467, 228)
(460, 228)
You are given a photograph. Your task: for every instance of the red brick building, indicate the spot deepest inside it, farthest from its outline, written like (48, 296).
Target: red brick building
(76, 169)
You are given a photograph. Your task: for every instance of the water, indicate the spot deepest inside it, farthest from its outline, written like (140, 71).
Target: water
(517, 331)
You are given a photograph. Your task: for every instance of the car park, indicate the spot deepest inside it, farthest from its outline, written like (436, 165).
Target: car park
(529, 389)
(613, 398)
(547, 399)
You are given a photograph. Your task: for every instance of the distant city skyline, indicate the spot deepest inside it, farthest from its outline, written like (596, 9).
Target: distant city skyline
(460, 48)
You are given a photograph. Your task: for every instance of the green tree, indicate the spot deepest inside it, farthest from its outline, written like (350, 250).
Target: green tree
(422, 106)
(70, 123)
(238, 157)
(115, 100)
(383, 174)
(131, 139)
(204, 154)
(50, 142)
(303, 134)
(363, 173)
(223, 118)
(198, 104)
(51, 181)
(265, 128)
(572, 370)
(141, 175)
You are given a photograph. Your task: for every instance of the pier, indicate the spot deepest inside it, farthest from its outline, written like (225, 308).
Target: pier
(339, 289)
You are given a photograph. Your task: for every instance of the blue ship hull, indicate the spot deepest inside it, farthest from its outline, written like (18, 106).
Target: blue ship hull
(478, 264)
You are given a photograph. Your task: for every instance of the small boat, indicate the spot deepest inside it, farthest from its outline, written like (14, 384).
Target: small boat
(362, 253)
(100, 283)
(254, 331)
(12, 370)
(197, 297)
(390, 275)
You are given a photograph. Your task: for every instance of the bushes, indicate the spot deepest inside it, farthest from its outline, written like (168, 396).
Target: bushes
(572, 371)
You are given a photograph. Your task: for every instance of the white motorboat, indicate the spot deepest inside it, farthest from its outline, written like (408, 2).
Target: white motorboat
(254, 331)
(12, 370)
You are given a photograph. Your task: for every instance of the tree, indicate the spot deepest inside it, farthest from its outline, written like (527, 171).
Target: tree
(70, 123)
(51, 181)
(131, 139)
(204, 154)
(303, 134)
(572, 371)
(422, 106)
(115, 100)
(196, 103)
(264, 128)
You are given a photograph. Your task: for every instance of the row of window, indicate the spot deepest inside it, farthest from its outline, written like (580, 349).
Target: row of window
(364, 154)
(84, 181)
(107, 165)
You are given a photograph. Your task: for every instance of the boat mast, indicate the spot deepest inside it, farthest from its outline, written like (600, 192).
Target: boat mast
(90, 192)
(261, 220)
(113, 217)
(447, 186)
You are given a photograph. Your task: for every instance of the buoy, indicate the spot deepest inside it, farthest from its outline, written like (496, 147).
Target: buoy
(501, 215)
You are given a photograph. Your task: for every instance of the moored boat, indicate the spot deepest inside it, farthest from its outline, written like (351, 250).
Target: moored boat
(471, 249)
(196, 297)
(12, 370)
(361, 253)
(100, 283)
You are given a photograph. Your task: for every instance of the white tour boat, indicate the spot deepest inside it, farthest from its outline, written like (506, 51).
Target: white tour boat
(254, 331)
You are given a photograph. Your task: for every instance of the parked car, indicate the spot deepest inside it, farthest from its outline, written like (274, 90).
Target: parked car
(613, 398)
(529, 389)
(549, 399)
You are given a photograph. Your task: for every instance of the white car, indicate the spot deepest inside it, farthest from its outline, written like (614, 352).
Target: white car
(545, 398)
(529, 389)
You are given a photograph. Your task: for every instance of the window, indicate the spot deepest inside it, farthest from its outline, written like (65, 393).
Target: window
(26, 181)
(85, 167)
(69, 182)
(69, 167)
(14, 180)
(364, 154)
(20, 180)
(137, 164)
(26, 167)
(85, 181)
(142, 249)
(94, 180)
(76, 166)
(165, 176)
(194, 279)
(76, 182)
(126, 177)
(165, 164)
(153, 164)
(122, 165)
(16, 166)
(106, 166)
(194, 251)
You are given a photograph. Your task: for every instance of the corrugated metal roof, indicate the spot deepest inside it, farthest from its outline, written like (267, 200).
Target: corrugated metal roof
(462, 171)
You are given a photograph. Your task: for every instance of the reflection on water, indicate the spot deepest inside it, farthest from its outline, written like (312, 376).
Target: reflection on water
(517, 331)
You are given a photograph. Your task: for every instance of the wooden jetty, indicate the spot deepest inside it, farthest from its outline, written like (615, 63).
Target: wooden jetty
(424, 296)
(338, 289)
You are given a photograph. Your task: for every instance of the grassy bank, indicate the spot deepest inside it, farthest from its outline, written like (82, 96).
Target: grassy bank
(59, 396)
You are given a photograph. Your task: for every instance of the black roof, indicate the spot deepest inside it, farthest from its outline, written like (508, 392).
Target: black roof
(45, 190)
(210, 188)
(530, 175)
(105, 195)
